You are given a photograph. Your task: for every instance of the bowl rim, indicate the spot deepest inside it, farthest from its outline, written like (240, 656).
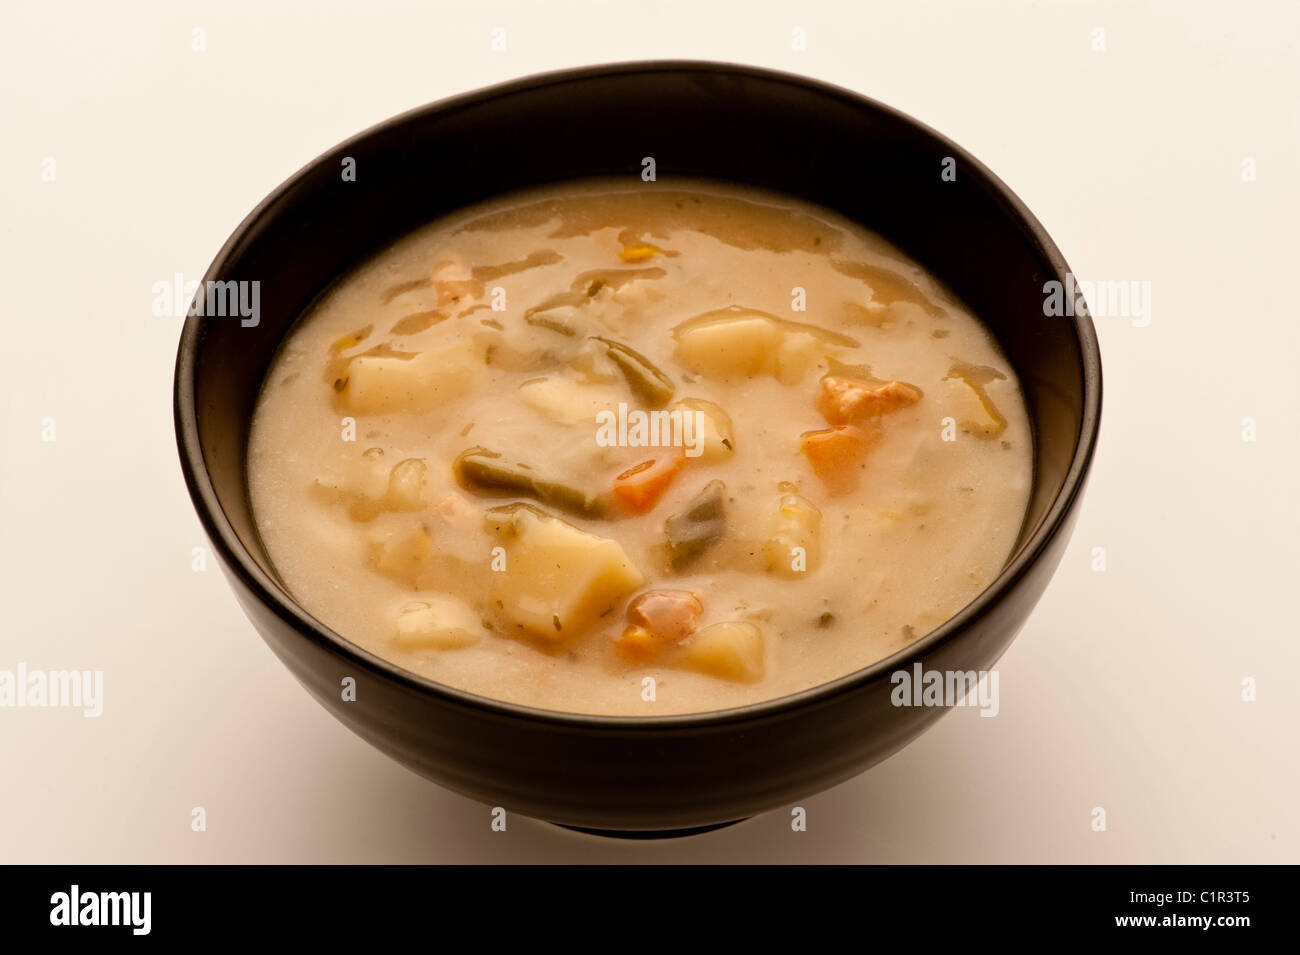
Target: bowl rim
(240, 563)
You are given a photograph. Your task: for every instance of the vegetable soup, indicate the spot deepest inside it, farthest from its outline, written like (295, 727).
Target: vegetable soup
(636, 448)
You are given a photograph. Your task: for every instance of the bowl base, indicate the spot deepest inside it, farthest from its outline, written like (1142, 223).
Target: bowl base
(649, 833)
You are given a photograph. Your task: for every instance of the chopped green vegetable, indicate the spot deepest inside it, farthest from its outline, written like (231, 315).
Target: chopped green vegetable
(558, 318)
(479, 469)
(647, 382)
(503, 521)
(697, 528)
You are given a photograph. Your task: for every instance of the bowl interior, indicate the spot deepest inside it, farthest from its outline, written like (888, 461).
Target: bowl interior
(798, 137)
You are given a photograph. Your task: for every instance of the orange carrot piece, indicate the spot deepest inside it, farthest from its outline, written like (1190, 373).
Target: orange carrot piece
(640, 487)
(836, 454)
(638, 645)
(659, 618)
(850, 401)
(671, 615)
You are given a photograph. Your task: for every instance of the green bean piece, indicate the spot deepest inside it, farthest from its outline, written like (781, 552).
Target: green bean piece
(697, 528)
(647, 382)
(542, 317)
(503, 520)
(480, 469)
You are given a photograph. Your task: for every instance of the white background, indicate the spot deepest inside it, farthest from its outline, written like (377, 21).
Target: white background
(1123, 691)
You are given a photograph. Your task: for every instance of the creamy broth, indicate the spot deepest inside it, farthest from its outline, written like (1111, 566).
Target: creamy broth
(638, 449)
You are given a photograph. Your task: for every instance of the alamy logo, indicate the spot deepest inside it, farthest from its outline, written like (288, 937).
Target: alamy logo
(921, 687)
(73, 689)
(679, 428)
(1109, 298)
(228, 299)
(75, 907)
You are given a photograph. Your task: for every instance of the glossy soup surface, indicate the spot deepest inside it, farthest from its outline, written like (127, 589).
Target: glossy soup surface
(638, 448)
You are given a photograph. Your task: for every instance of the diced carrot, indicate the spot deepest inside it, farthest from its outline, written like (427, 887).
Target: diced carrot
(852, 401)
(671, 615)
(638, 645)
(836, 454)
(639, 252)
(640, 487)
(659, 619)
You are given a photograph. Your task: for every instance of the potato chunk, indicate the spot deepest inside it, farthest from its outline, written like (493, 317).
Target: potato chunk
(744, 343)
(797, 354)
(568, 402)
(730, 651)
(368, 489)
(408, 486)
(711, 430)
(439, 622)
(557, 579)
(359, 484)
(794, 547)
(404, 553)
(396, 384)
(740, 347)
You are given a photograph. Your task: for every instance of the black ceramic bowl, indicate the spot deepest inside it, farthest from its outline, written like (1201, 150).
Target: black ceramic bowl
(747, 125)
